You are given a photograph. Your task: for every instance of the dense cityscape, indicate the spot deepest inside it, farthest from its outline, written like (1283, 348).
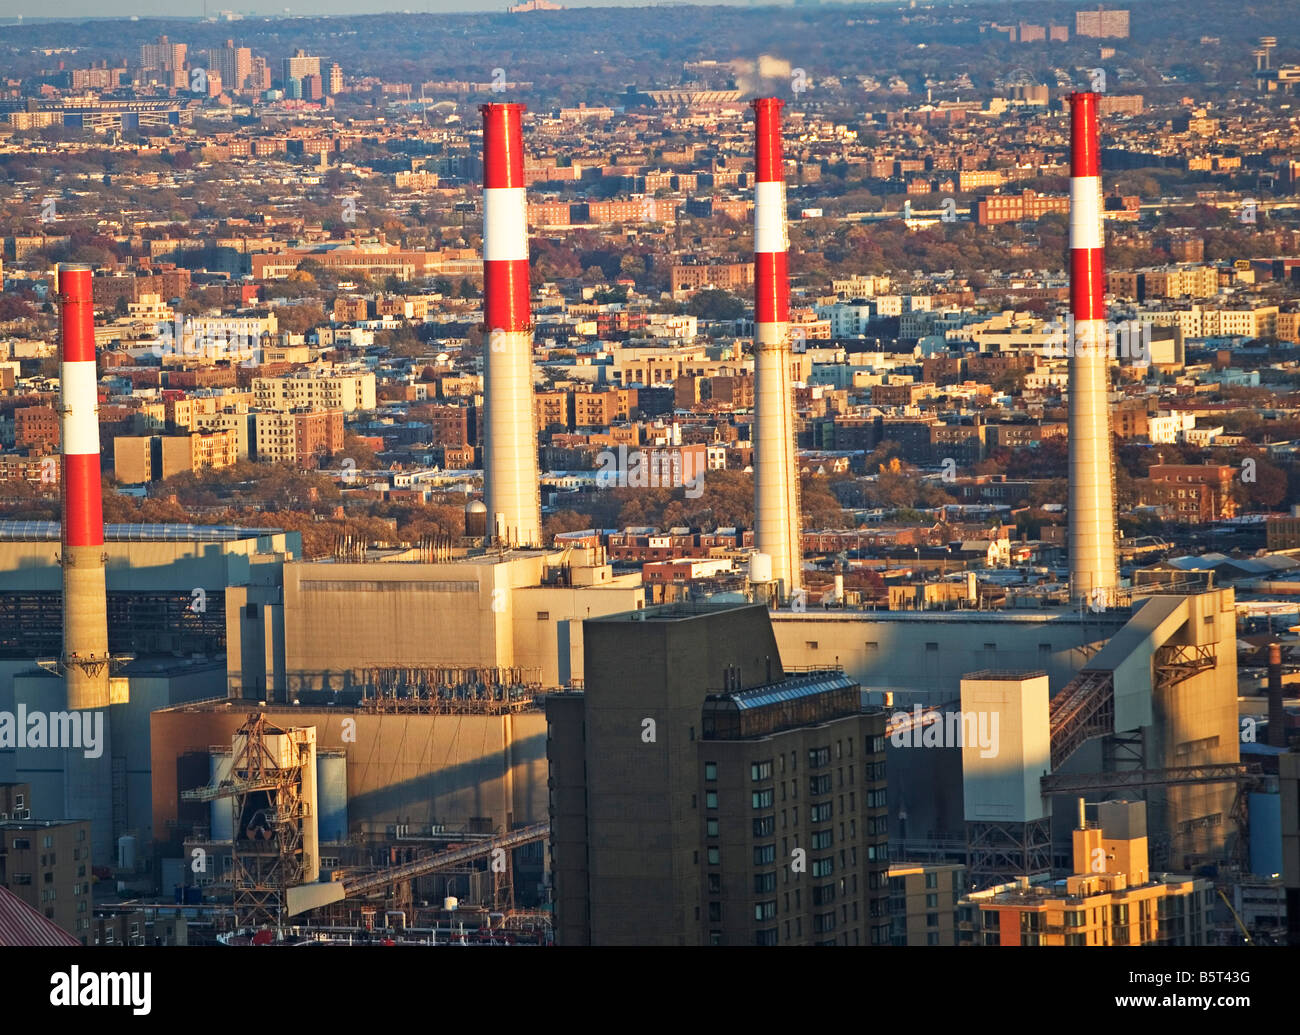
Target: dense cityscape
(464, 479)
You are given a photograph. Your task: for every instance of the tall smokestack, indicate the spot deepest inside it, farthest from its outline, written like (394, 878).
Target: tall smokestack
(1094, 574)
(776, 484)
(85, 603)
(510, 473)
(1276, 704)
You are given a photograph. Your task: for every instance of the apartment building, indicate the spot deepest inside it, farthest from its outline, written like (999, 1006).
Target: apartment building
(1102, 24)
(36, 427)
(598, 409)
(148, 458)
(238, 424)
(350, 309)
(126, 926)
(314, 391)
(1011, 208)
(297, 438)
(1110, 899)
(47, 865)
(700, 796)
(923, 900)
(1192, 492)
(727, 276)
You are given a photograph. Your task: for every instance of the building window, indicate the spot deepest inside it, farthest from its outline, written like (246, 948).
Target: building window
(764, 854)
(760, 771)
(715, 884)
(822, 839)
(819, 784)
(820, 813)
(767, 936)
(764, 826)
(543, 616)
(715, 912)
(765, 910)
(824, 895)
(711, 827)
(819, 757)
(710, 799)
(821, 867)
(931, 880)
(762, 799)
(710, 771)
(764, 883)
(714, 856)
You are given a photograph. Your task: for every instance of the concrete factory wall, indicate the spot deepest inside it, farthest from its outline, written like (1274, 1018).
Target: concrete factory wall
(1191, 723)
(922, 656)
(177, 568)
(149, 566)
(68, 785)
(416, 769)
(477, 612)
(1002, 764)
(1195, 723)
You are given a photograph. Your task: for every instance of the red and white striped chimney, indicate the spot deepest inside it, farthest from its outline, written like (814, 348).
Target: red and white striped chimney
(510, 472)
(85, 602)
(776, 480)
(1094, 574)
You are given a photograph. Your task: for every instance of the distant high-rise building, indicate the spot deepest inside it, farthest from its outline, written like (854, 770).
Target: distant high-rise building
(163, 55)
(259, 75)
(335, 80)
(293, 89)
(702, 796)
(234, 63)
(299, 67)
(1101, 24)
(311, 88)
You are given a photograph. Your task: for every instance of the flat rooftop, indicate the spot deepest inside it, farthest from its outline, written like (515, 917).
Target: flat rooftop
(49, 531)
(676, 612)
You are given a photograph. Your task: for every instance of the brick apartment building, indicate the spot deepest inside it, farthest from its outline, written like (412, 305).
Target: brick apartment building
(297, 438)
(726, 276)
(1196, 493)
(1011, 208)
(37, 427)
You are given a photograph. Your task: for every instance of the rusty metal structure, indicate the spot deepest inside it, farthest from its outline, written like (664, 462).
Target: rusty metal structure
(271, 785)
(449, 690)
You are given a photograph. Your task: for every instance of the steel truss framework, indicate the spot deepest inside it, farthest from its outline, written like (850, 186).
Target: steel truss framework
(997, 852)
(262, 869)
